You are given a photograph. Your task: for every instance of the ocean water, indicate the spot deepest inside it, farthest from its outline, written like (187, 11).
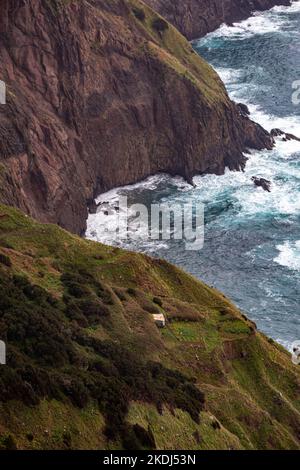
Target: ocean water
(252, 238)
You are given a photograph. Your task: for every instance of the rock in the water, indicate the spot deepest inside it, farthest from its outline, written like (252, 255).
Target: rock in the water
(285, 136)
(93, 206)
(276, 132)
(262, 182)
(291, 137)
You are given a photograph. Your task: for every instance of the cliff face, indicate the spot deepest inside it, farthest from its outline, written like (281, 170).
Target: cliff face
(99, 95)
(87, 368)
(195, 18)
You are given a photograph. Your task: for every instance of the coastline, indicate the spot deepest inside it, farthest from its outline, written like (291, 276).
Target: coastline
(270, 248)
(194, 18)
(107, 343)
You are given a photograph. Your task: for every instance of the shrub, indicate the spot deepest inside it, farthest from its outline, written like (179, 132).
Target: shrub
(5, 244)
(216, 425)
(5, 260)
(8, 443)
(131, 291)
(77, 392)
(50, 358)
(139, 13)
(106, 297)
(120, 294)
(160, 25)
(34, 292)
(77, 290)
(67, 439)
(146, 438)
(20, 281)
(157, 301)
(150, 307)
(29, 437)
(130, 440)
(73, 312)
(93, 308)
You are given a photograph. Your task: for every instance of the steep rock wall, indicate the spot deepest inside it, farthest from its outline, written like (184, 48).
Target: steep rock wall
(195, 18)
(97, 98)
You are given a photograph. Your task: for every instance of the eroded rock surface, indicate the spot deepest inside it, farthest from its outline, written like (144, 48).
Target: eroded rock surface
(97, 98)
(195, 18)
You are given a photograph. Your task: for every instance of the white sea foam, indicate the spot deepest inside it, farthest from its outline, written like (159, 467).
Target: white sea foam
(293, 8)
(284, 198)
(238, 92)
(101, 226)
(260, 23)
(250, 27)
(275, 165)
(289, 255)
(249, 202)
(113, 195)
(289, 124)
(286, 344)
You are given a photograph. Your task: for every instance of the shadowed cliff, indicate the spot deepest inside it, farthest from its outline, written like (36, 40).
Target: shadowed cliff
(101, 94)
(195, 18)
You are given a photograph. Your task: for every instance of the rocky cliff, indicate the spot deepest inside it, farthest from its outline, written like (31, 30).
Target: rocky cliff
(87, 368)
(101, 94)
(195, 18)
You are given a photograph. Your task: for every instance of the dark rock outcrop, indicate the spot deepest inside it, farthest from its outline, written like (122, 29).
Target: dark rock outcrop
(195, 18)
(285, 136)
(262, 182)
(97, 98)
(244, 110)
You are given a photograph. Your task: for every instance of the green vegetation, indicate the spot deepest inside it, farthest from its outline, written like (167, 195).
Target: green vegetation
(167, 45)
(88, 368)
(158, 301)
(5, 260)
(51, 357)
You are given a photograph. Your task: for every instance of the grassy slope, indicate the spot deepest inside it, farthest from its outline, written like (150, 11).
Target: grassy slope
(176, 52)
(170, 47)
(83, 350)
